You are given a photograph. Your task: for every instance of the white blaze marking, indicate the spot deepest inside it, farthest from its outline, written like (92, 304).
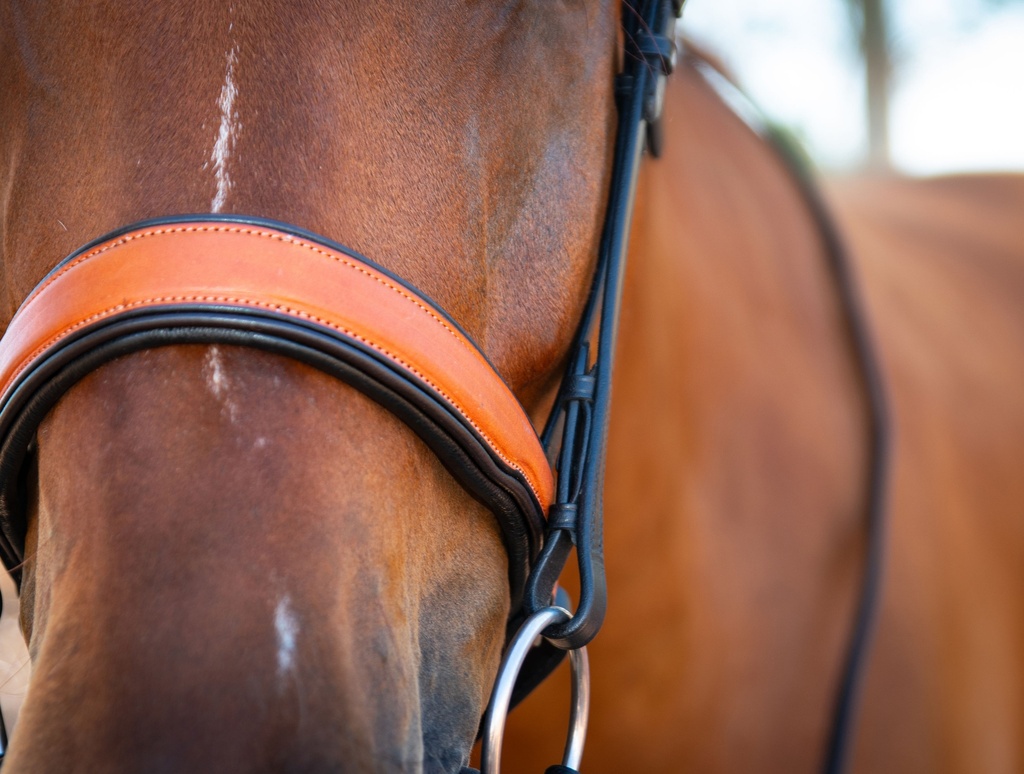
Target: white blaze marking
(218, 381)
(287, 628)
(225, 142)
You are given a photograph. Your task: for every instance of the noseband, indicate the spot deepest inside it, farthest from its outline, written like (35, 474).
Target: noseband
(209, 279)
(255, 283)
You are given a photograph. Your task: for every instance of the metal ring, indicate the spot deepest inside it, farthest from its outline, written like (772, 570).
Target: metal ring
(497, 710)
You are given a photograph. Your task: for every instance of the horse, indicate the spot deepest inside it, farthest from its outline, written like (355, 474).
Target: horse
(236, 562)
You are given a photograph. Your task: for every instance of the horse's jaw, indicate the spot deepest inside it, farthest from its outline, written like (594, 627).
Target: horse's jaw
(261, 571)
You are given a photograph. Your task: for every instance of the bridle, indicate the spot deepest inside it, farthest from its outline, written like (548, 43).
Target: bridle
(258, 283)
(255, 283)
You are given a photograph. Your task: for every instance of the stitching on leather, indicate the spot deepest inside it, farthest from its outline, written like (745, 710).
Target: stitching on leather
(287, 240)
(277, 237)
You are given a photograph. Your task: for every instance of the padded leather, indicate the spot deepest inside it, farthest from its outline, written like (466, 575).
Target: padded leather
(266, 269)
(265, 285)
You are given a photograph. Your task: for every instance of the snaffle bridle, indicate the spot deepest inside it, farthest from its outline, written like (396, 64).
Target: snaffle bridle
(397, 350)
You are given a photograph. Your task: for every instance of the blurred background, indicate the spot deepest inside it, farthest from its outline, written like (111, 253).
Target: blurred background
(920, 86)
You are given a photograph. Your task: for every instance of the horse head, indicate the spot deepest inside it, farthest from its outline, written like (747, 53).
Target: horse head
(233, 561)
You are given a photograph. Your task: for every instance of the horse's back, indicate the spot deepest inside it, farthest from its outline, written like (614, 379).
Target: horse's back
(941, 264)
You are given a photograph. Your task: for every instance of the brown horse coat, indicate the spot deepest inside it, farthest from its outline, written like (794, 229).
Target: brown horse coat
(239, 564)
(944, 264)
(736, 473)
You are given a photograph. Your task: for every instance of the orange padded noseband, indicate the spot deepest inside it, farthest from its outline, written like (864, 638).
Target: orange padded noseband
(273, 287)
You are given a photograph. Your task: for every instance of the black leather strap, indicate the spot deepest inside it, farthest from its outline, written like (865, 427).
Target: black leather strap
(577, 432)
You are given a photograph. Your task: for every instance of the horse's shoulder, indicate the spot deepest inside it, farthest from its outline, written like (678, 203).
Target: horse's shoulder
(963, 234)
(971, 218)
(941, 265)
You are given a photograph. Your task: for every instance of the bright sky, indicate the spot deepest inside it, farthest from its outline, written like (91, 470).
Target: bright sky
(958, 101)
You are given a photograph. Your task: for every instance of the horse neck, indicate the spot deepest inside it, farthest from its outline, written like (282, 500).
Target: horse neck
(737, 293)
(736, 461)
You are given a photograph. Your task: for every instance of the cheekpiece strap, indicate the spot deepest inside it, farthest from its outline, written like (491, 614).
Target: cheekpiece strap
(577, 432)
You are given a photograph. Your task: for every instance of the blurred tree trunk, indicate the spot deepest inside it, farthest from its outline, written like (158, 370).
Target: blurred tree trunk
(875, 47)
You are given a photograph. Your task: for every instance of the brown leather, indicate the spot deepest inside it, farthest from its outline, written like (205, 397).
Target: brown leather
(261, 268)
